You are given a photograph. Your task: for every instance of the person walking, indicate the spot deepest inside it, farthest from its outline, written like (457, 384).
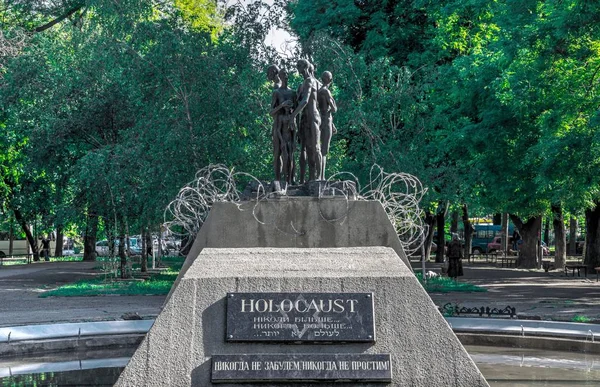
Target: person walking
(515, 239)
(455, 255)
(46, 248)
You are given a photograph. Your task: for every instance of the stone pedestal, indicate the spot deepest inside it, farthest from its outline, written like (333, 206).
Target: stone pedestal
(302, 222)
(295, 248)
(191, 330)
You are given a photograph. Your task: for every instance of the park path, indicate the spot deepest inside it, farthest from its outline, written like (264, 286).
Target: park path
(20, 286)
(535, 294)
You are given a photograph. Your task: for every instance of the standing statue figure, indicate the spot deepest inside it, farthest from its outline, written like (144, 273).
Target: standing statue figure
(273, 76)
(310, 122)
(327, 107)
(284, 127)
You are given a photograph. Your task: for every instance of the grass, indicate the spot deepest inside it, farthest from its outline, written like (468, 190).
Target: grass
(156, 284)
(447, 285)
(581, 319)
(23, 260)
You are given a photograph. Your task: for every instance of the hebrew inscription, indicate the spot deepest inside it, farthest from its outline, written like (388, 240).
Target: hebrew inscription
(300, 317)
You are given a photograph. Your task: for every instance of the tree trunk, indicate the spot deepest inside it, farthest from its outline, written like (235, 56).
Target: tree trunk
(468, 230)
(58, 249)
(144, 263)
(159, 249)
(560, 238)
(430, 222)
(127, 241)
(573, 235)
(454, 223)
(28, 234)
(497, 219)
(505, 233)
(441, 238)
(11, 238)
(530, 232)
(122, 254)
(89, 239)
(592, 237)
(149, 246)
(547, 232)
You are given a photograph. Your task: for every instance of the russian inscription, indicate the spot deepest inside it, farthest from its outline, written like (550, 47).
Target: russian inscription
(300, 317)
(301, 367)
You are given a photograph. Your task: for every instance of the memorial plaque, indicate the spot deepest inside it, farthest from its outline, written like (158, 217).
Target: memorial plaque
(291, 368)
(300, 317)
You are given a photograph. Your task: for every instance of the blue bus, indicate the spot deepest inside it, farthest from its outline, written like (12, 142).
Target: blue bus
(484, 234)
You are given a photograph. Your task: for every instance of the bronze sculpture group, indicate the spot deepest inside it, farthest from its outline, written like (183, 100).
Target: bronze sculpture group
(303, 116)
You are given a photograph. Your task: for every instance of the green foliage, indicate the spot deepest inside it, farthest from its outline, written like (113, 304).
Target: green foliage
(144, 103)
(447, 285)
(101, 288)
(203, 15)
(113, 106)
(581, 319)
(156, 284)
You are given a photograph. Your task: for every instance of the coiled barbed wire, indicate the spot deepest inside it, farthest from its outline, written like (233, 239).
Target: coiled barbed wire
(399, 194)
(11, 46)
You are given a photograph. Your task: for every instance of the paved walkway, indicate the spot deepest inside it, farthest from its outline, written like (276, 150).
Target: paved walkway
(20, 286)
(535, 294)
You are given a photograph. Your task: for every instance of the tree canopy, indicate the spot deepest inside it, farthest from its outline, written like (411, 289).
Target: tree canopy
(107, 108)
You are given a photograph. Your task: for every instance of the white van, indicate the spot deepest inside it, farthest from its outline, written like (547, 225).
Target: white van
(20, 247)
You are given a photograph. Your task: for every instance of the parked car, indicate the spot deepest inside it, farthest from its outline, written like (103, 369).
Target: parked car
(545, 248)
(135, 247)
(496, 245)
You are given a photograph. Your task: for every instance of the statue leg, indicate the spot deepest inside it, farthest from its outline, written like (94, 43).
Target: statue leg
(302, 161)
(292, 158)
(325, 141)
(276, 155)
(284, 158)
(316, 150)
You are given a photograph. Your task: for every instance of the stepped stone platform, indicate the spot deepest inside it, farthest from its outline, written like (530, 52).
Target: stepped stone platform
(298, 249)
(192, 327)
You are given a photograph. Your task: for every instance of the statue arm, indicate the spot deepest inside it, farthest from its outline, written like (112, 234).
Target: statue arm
(274, 107)
(331, 101)
(306, 88)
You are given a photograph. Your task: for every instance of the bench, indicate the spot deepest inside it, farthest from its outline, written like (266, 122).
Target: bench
(574, 267)
(547, 265)
(489, 257)
(16, 257)
(509, 261)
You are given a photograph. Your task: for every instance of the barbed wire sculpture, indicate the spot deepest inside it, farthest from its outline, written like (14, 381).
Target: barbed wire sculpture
(399, 194)
(11, 46)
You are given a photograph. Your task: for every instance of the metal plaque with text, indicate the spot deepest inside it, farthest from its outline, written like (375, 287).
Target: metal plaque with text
(300, 317)
(286, 367)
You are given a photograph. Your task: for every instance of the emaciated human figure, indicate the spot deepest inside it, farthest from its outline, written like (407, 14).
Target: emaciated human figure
(273, 76)
(310, 122)
(327, 106)
(282, 106)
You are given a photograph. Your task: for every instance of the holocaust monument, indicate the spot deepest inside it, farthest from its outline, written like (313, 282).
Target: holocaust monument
(302, 289)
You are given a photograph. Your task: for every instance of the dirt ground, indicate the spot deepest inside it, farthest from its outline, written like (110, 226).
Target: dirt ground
(534, 294)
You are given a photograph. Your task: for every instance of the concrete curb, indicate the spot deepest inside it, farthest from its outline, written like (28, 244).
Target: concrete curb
(55, 331)
(37, 347)
(549, 335)
(544, 343)
(525, 327)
